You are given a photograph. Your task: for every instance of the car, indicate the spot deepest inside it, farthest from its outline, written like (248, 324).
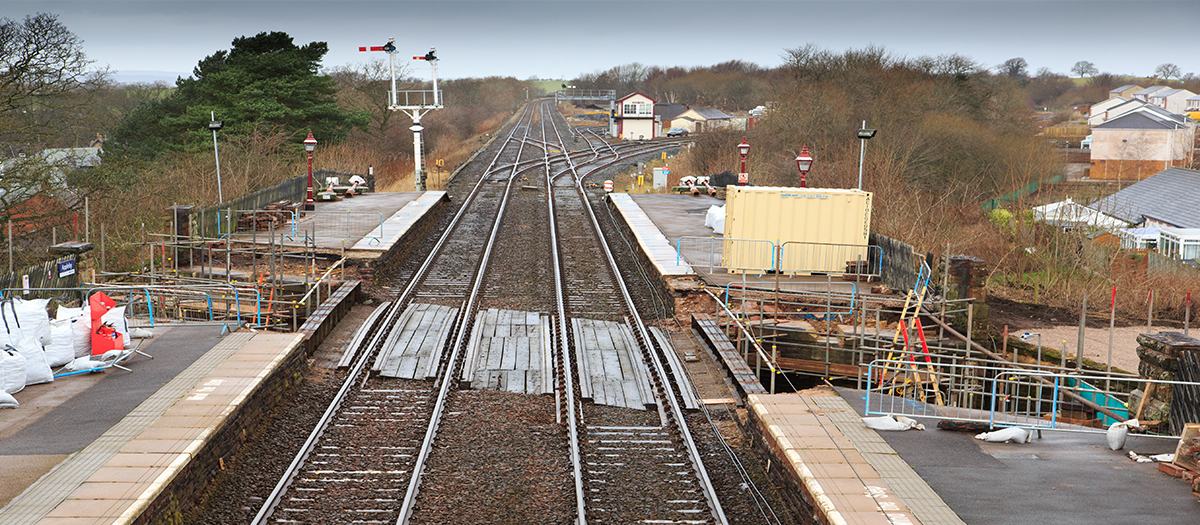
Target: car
(677, 132)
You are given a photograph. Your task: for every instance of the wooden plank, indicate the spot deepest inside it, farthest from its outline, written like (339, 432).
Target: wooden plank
(495, 353)
(614, 394)
(641, 374)
(581, 361)
(390, 341)
(444, 333)
(599, 394)
(504, 323)
(472, 357)
(547, 357)
(508, 358)
(521, 352)
(360, 335)
(406, 367)
(495, 380)
(633, 395)
(516, 381)
(402, 343)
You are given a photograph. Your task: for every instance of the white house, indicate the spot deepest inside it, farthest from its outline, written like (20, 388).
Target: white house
(697, 120)
(1141, 142)
(1173, 100)
(635, 117)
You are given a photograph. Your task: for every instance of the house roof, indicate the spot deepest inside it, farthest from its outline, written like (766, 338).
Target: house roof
(1149, 90)
(1171, 196)
(635, 93)
(669, 111)
(1128, 102)
(1146, 117)
(1165, 93)
(1197, 97)
(1123, 88)
(711, 113)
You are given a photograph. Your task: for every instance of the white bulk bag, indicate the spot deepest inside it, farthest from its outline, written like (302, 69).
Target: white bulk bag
(1010, 435)
(37, 369)
(61, 349)
(8, 401)
(12, 370)
(32, 317)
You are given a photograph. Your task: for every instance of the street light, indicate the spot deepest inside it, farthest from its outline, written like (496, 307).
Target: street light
(743, 150)
(214, 125)
(1028, 335)
(863, 134)
(310, 144)
(804, 163)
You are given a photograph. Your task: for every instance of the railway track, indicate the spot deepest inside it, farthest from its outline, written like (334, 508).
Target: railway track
(428, 450)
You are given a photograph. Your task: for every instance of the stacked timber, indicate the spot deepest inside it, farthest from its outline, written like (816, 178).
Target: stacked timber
(275, 214)
(1169, 356)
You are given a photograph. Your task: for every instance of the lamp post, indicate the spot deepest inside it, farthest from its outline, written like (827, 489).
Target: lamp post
(310, 144)
(214, 125)
(863, 134)
(1027, 335)
(743, 150)
(804, 163)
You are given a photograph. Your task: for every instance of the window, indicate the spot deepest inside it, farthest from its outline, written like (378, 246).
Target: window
(636, 109)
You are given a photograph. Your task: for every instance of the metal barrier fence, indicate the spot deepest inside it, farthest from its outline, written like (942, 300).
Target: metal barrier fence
(791, 257)
(713, 251)
(999, 396)
(833, 259)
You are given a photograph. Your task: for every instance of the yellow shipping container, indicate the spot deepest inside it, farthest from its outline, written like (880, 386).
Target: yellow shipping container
(819, 229)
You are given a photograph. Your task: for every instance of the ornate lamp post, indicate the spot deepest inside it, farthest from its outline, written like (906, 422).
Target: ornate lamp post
(743, 150)
(310, 144)
(804, 163)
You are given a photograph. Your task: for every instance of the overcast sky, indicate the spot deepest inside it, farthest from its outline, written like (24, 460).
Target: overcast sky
(562, 39)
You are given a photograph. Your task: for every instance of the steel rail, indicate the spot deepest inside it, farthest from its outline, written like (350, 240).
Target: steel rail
(676, 411)
(561, 345)
(447, 377)
(273, 500)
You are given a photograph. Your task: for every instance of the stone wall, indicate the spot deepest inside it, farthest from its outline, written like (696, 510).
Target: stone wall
(189, 483)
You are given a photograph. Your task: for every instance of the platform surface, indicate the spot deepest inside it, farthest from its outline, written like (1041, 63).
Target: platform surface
(1060, 477)
(373, 220)
(123, 438)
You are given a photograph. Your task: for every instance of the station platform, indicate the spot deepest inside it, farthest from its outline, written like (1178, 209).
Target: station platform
(366, 226)
(658, 221)
(101, 448)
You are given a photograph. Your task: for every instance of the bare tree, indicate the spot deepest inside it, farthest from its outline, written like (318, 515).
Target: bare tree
(44, 79)
(46, 86)
(1014, 68)
(1083, 68)
(1167, 71)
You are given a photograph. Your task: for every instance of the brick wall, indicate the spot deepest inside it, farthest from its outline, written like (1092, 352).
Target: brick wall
(419, 231)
